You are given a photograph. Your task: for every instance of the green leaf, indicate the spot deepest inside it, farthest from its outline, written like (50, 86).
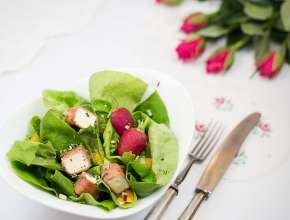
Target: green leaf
(252, 28)
(259, 12)
(261, 47)
(164, 150)
(285, 16)
(117, 87)
(31, 175)
(262, 2)
(111, 140)
(155, 108)
(61, 99)
(34, 153)
(35, 124)
(88, 199)
(61, 183)
(214, 31)
(54, 129)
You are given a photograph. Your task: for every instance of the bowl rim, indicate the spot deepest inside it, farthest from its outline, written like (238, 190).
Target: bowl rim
(72, 208)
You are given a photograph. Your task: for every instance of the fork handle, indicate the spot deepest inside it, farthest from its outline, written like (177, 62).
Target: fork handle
(193, 206)
(163, 203)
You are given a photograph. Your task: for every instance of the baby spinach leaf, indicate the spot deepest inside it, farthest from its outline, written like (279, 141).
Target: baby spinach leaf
(117, 87)
(60, 183)
(88, 199)
(89, 137)
(143, 189)
(31, 175)
(164, 151)
(54, 129)
(61, 99)
(155, 108)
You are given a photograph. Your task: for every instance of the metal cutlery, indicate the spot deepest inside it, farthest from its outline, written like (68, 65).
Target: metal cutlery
(219, 163)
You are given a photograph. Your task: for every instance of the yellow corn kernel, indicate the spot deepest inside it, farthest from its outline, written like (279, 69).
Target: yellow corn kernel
(97, 157)
(35, 138)
(148, 162)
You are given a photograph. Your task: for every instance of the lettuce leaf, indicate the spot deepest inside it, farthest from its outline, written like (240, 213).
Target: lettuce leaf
(111, 140)
(88, 199)
(61, 99)
(155, 108)
(31, 175)
(35, 124)
(164, 151)
(116, 87)
(34, 153)
(54, 129)
(60, 183)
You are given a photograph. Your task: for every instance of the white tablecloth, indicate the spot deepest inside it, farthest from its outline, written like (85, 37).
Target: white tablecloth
(45, 43)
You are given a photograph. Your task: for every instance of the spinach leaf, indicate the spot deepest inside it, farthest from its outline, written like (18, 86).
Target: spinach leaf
(31, 175)
(61, 99)
(155, 108)
(141, 178)
(60, 183)
(34, 153)
(54, 129)
(117, 87)
(88, 199)
(89, 137)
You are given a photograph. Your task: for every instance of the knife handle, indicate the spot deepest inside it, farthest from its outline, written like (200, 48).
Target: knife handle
(193, 206)
(161, 206)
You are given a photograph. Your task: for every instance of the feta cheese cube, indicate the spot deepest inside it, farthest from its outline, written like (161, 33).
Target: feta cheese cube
(81, 117)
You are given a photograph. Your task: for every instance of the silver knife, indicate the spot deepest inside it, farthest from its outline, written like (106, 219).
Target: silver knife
(219, 163)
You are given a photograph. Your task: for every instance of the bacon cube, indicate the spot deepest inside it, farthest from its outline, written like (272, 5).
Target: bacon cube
(86, 184)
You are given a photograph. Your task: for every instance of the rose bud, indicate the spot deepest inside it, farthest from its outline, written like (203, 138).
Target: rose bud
(190, 48)
(169, 2)
(272, 64)
(220, 61)
(194, 22)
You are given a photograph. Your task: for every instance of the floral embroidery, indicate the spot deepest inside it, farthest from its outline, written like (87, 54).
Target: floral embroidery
(262, 130)
(223, 104)
(241, 159)
(200, 129)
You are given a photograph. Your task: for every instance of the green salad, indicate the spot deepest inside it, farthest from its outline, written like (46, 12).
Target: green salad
(108, 151)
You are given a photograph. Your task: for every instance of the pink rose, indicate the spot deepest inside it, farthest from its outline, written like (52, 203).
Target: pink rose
(194, 22)
(220, 61)
(271, 65)
(190, 48)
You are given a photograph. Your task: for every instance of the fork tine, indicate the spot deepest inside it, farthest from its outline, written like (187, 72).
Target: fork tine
(206, 139)
(212, 143)
(200, 140)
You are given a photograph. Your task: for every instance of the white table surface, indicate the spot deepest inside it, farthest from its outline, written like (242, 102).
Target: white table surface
(52, 42)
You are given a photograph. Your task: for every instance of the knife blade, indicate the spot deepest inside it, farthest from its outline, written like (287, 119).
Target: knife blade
(220, 162)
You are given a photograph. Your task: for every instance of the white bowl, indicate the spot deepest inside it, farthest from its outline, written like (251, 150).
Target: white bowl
(181, 113)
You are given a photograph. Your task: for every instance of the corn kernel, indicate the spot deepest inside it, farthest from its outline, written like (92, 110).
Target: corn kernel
(97, 157)
(148, 162)
(35, 138)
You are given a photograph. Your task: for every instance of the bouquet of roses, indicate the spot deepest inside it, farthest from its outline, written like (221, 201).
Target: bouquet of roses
(263, 24)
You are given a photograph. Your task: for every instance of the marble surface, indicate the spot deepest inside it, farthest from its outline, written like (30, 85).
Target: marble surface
(45, 43)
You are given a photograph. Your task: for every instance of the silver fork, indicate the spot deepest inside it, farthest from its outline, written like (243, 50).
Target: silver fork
(198, 154)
